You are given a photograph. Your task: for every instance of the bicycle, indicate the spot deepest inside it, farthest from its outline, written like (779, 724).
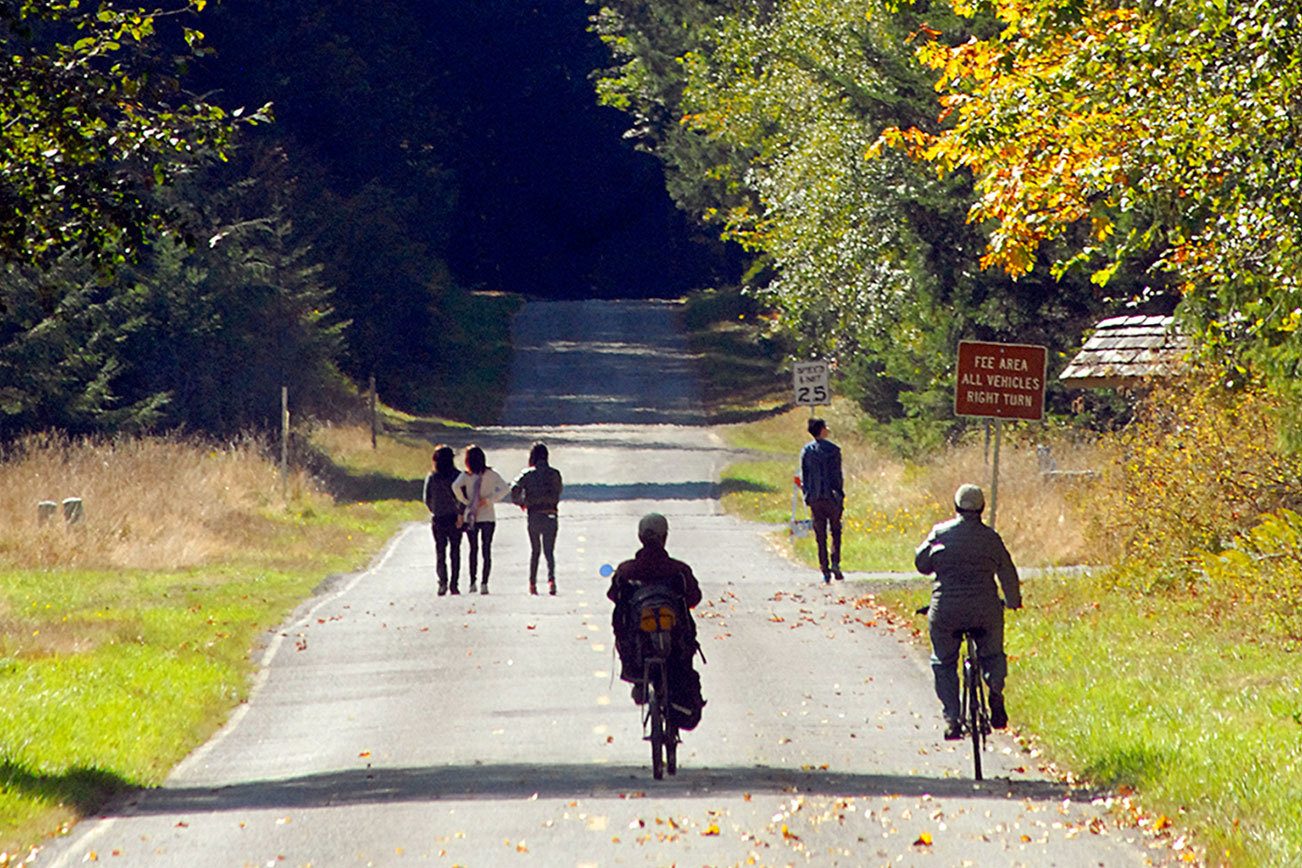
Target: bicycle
(974, 713)
(656, 621)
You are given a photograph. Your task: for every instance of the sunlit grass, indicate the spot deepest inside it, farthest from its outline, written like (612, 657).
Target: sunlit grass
(892, 503)
(1138, 693)
(125, 639)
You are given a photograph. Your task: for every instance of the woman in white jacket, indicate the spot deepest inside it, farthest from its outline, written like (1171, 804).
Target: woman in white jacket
(478, 488)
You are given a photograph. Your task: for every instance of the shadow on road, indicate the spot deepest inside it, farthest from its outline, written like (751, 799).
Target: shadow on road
(563, 781)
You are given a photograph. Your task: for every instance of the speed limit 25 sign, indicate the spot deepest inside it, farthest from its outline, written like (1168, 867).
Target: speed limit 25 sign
(811, 382)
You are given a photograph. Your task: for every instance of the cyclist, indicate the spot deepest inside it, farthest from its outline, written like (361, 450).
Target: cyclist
(965, 555)
(651, 567)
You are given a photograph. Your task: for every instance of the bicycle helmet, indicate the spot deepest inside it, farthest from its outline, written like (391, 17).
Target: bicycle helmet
(969, 498)
(653, 528)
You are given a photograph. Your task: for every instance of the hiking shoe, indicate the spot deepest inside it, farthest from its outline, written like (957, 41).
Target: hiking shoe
(953, 730)
(998, 714)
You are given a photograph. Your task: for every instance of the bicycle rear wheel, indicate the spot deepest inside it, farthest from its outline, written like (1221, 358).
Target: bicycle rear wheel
(972, 717)
(655, 706)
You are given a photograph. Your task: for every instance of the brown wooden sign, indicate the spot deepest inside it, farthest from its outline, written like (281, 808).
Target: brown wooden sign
(1000, 381)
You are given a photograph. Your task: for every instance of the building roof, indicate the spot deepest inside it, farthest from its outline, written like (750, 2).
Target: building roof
(1126, 349)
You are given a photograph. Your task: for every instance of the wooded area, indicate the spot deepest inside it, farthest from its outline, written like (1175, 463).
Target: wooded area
(906, 174)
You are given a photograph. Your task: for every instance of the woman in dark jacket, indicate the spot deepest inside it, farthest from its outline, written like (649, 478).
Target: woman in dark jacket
(444, 511)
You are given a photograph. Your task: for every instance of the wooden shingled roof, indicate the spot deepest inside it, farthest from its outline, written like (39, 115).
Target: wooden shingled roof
(1123, 350)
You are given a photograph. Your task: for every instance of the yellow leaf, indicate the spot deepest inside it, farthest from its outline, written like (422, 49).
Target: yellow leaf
(712, 829)
(924, 840)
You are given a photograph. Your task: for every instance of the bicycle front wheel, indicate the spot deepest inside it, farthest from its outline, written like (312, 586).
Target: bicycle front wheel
(655, 704)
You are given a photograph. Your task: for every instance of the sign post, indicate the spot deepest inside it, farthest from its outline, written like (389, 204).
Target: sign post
(811, 383)
(1000, 381)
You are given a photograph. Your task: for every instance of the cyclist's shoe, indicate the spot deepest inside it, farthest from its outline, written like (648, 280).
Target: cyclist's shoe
(639, 693)
(953, 730)
(998, 714)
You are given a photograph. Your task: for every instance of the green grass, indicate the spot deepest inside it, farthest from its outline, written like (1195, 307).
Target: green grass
(1203, 722)
(112, 677)
(739, 363)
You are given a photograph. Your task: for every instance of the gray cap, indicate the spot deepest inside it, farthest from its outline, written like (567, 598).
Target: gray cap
(653, 526)
(969, 498)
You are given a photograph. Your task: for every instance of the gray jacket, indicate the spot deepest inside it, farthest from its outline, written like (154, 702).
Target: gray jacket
(965, 555)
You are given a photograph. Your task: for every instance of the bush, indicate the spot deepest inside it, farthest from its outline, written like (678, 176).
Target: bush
(1196, 470)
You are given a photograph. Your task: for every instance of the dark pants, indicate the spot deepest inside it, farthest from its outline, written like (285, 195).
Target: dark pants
(827, 515)
(945, 649)
(542, 540)
(482, 531)
(447, 536)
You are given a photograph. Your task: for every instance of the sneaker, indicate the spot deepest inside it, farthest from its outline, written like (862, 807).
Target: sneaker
(998, 714)
(483, 589)
(533, 589)
(443, 590)
(838, 575)
(474, 585)
(953, 730)
(827, 578)
(456, 592)
(551, 588)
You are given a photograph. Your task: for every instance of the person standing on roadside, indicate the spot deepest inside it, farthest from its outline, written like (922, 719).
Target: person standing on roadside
(824, 489)
(478, 488)
(965, 555)
(537, 490)
(445, 517)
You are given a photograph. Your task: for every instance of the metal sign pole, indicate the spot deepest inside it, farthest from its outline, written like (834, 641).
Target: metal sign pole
(994, 473)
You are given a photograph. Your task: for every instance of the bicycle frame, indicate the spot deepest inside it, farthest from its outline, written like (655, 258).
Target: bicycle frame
(974, 714)
(657, 624)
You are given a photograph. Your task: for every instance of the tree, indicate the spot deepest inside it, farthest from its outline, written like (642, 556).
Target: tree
(1171, 130)
(92, 119)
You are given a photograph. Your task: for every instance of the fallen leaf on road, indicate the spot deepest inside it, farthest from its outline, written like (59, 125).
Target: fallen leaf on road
(788, 834)
(364, 754)
(712, 829)
(924, 840)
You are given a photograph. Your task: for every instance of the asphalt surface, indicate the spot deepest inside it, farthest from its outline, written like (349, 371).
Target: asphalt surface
(389, 726)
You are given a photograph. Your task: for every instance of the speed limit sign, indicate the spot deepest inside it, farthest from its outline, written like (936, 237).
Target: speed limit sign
(811, 382)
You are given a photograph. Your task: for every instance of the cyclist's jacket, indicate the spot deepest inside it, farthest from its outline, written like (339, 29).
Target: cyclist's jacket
(652, 567)
(538, 489)
(965, 555)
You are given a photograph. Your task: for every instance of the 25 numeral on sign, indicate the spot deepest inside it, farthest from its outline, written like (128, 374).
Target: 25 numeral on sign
(811, 395)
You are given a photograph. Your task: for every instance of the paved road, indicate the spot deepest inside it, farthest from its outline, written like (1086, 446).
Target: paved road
(393, 727)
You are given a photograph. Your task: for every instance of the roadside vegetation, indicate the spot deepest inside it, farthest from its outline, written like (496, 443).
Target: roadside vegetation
(126, 638)
(1169, 673)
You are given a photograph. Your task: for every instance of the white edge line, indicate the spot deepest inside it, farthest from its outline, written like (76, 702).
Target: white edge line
(76, 845)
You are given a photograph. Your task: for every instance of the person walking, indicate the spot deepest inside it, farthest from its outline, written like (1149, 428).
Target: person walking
(824, 490)
(965, 555)
(537, 490)
(478, 487)
(445, 517)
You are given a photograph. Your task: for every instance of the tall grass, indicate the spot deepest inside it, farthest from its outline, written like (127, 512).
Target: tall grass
(891, 502)
(155, 503)
(125, 638)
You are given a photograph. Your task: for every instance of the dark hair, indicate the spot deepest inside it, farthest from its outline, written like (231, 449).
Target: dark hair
(816, 426)
(444, 458)
(475, 460)
(537, 453)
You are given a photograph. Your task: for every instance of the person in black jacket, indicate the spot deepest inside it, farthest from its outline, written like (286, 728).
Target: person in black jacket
(537, 490)
(824, 489)
(445, 513)
(652, 568)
